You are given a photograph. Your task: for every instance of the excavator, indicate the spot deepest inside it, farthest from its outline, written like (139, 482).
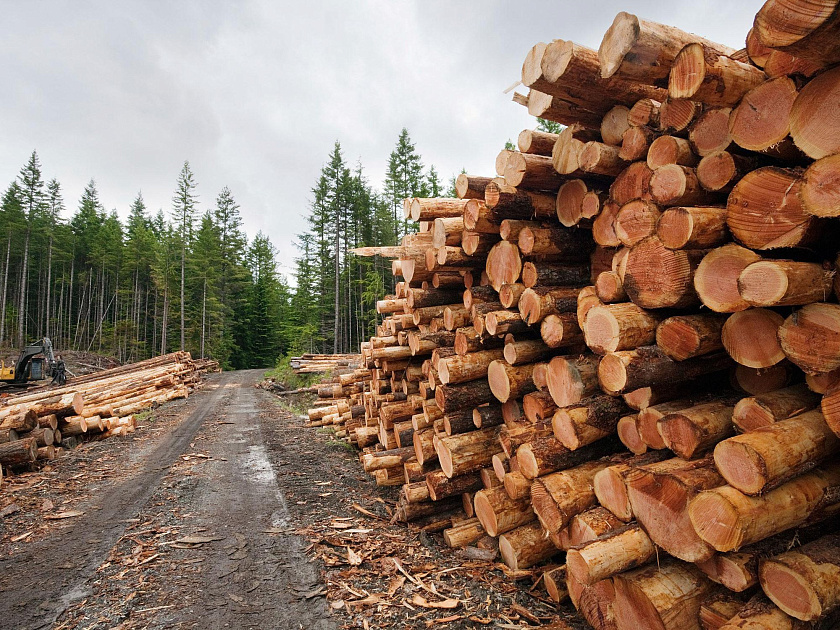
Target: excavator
(31, 367)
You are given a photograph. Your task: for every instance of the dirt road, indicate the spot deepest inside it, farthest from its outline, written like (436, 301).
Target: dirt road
(194, 531)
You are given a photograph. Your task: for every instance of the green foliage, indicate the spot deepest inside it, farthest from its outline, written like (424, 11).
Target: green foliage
(509, 145)
(549, 126)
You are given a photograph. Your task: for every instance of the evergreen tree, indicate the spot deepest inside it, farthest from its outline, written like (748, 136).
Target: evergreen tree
(33, 201)
(403, 179)
(13, 219)
(549, 126)
(52, 219)
(184, 204)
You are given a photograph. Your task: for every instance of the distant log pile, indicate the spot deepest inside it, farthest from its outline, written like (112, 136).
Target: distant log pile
(323, 363)
(625, 345)
(41, 424)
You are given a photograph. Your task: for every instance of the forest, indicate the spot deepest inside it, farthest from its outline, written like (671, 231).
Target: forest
(189, 277)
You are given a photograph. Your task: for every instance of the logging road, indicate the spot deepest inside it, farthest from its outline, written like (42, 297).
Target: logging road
(201, 473)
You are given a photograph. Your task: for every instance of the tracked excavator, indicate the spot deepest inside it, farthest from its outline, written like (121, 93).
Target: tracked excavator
(31, 367)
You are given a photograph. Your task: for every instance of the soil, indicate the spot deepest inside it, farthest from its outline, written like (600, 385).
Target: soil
(225, 511)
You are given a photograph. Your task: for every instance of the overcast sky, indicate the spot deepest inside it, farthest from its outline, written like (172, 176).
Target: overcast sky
(255, 92)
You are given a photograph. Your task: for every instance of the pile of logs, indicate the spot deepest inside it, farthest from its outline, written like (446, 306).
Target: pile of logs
(624, 348)
(40, 424)
(323, 363)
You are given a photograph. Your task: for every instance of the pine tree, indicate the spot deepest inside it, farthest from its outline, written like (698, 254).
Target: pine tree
(403, 179)
(434, 185)
(184, 204)
(13, 219)
(54, 210)
(33, 202)
(233, 276)
(549, 126)
(140, 256)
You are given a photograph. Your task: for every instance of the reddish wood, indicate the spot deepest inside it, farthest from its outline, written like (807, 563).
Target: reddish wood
(810, 338)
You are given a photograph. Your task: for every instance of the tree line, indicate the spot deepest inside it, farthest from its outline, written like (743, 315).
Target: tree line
(134, 289)
(190, 278)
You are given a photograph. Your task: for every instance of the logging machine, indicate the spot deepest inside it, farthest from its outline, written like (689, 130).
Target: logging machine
(31, 367)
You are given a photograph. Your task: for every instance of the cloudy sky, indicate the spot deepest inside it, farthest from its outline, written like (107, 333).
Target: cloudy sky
(255, 92)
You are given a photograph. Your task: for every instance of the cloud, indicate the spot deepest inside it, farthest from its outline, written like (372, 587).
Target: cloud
(254, 93)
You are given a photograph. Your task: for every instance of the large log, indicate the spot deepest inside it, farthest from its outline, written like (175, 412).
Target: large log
(658, 277)
(18, 452)
(762, 119)
(666, 596)
(765, 212)
(763, 459)
(642, 50)
(784, 283)
(621, 372)
(588, 421)
(467, 367)
(611, 487)
(525, 546)
(692, 431)
(613, 327)
(617, 551)
(692, 228)
(467, 452)
(509, 382)
(810, 338)
(499, 513)
(537, 303)
(811, 118)
(703, 74)
(660, 493)
(750, 337)
(543, 455)
(765, 409)
(686, 336)
(805, 582)
(570, 379)
(716, 277)
(728, 519)
(471, 394)
(799, 27)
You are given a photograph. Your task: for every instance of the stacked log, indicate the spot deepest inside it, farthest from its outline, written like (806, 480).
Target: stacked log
(618, 365)
(323, 363)
(41, 423)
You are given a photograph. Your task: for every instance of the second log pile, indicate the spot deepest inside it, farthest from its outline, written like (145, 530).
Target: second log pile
(38, 425)
(625, 346)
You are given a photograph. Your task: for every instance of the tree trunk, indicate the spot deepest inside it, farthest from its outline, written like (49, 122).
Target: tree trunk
(716, 278)
(525, 546)
(784, 283)
(617, 551)
(810, 338)
(499, 513)
(766, 409)
(687, 336)
(692, 431)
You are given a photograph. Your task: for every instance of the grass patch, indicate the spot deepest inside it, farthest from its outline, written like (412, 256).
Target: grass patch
(341, 444)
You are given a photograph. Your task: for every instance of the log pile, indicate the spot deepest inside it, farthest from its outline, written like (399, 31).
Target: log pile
(625, 345)
(40, 424)
(323, 363)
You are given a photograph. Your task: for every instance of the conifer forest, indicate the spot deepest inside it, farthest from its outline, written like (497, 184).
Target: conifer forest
(189, 277)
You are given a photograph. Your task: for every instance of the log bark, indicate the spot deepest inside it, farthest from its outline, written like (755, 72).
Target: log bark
(554, 274)
(433, 208)
(546, 454)
(728, 519)
(557, 497)
(555, 584)
(588, 421)
(504, 322)
(763, 459)
(531, 351)
(18, 452)
(531, 171)
(562, 242)
(464, 395)
(440, 486)
(488, 416)
(660, 493)
(642, 50)
(464, 533)
(592, 524)
(761, 614)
